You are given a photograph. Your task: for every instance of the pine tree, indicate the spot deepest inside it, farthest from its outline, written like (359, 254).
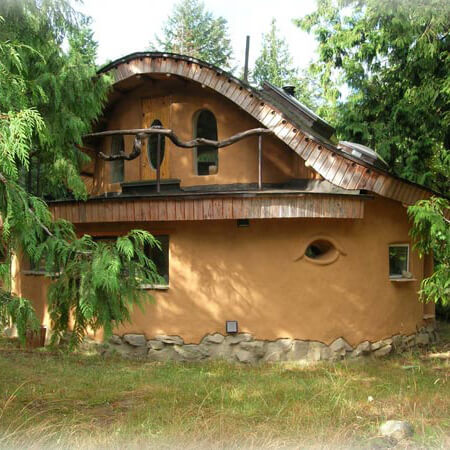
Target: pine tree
(193, 31)
(275, 65)
(50, 96)
(394, 58)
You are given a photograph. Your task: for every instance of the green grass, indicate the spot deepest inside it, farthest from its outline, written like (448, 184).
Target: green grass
(80, 401)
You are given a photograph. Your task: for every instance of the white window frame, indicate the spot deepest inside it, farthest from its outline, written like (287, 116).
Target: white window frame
(396, 277)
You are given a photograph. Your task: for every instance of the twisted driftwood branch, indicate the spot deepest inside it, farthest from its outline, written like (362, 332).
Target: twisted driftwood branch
(137, 148)
(143, 132)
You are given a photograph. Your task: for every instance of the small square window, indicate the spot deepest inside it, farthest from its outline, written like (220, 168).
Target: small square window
(398, 260)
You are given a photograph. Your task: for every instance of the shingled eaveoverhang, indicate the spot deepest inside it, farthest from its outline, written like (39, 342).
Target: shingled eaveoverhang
(334, 165)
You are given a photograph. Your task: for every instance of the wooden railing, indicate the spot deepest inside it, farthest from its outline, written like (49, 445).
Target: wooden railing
(142, 133)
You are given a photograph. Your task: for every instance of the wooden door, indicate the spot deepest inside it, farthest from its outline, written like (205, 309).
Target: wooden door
(155, 110)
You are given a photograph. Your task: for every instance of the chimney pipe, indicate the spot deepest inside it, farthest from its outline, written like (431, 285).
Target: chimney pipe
(247, 51)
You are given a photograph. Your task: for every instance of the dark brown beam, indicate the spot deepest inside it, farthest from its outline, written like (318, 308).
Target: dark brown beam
(260, 161)
(158, 164)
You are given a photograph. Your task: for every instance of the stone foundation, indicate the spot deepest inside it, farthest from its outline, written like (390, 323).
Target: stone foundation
(243, 348)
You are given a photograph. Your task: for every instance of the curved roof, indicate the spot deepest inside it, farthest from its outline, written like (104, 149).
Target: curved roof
(303, 131)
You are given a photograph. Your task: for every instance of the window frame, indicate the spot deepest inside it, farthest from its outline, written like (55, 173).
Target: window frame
(400, 276)
(37, 269)
(33, 269)
(110, 236)
(195, 134)
(167, 284)
(153, 139)
(118, 164)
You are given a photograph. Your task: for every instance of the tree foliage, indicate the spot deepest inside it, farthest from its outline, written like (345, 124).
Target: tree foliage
(431, 231)
(275, 65)
(394, 57)
(192, 30)
(50, 96)
(49, 67)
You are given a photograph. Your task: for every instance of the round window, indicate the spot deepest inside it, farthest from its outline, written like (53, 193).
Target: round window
(321, 251)
(152, 146)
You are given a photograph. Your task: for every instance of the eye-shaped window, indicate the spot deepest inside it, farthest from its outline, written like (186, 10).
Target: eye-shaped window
(321, 250)
(152, 146)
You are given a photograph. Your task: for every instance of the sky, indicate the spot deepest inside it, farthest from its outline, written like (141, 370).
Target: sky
(126, 26)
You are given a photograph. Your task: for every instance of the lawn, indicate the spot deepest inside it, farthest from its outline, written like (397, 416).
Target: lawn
(77, 401)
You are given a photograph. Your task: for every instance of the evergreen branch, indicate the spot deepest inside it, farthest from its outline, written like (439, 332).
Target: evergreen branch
(44, 228)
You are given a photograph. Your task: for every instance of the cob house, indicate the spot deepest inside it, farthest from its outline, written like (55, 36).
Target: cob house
(278, 243)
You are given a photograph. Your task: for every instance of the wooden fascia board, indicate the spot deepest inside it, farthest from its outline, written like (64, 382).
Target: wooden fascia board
(207, 208)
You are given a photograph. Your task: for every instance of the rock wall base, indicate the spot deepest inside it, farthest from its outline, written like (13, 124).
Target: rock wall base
(242, 348)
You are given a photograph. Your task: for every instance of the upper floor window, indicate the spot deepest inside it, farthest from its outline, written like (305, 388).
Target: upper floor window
(398, 260)
(117, 167)
(207, 157)
(152, 146)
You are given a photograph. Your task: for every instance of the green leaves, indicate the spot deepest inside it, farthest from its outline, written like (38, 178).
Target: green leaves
(431, 232)
(394, 58)
(42, 81)
(17, 130)
(50, 96)
(19, 311)
(275, 65)
(193, 31)
(100, 282)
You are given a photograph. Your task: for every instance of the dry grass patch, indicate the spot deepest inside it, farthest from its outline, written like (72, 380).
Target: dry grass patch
(52, 399)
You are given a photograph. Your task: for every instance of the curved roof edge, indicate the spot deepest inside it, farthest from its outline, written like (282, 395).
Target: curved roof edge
(333, 164)
(153, 54)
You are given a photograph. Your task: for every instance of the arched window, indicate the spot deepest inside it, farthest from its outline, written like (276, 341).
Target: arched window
(152, 146)
(117, 167)
(207, 157)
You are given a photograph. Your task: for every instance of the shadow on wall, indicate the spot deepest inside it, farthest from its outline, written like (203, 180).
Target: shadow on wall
(219, 272)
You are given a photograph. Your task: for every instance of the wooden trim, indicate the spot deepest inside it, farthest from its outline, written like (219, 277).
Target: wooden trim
(210, 208)
(267, 114)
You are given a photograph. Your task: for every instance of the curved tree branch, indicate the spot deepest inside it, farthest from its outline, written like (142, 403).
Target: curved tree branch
(137, 148)
(143, 132)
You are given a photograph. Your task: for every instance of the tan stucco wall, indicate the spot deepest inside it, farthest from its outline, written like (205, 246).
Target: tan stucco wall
(219, 271)
(178, 102)
(30, 286)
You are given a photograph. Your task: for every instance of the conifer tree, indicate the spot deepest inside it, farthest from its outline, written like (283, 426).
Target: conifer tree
(275, 65)
(191, 30)
(50, 95)
(394, 58)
